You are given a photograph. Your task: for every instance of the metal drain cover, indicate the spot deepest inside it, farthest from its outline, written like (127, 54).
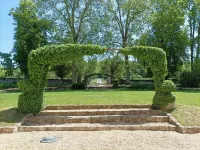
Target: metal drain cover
(49, 139)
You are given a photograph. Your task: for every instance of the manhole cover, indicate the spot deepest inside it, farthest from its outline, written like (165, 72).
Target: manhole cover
(49, 139)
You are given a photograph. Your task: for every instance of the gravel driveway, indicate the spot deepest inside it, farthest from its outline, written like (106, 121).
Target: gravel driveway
(102, 140)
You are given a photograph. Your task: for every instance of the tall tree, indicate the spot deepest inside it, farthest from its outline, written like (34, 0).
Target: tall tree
(126, 19)
(194, 27)
(70, 17)
(30, 32)
(167, 32)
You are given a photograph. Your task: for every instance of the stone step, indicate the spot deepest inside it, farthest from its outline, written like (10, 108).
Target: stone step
(95, 107)
(95, 112)
(99, 127)
(42, 120)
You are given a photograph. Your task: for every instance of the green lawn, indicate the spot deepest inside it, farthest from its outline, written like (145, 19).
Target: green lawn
(188, 102)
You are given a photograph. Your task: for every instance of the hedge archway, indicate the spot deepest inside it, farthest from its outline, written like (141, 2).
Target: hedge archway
(39, 60)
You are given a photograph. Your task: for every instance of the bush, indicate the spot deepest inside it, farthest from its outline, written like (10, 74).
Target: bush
(115, 83)
(163, 95)
(142, 86)
(7, 85)
(78, 86)
(189, 79)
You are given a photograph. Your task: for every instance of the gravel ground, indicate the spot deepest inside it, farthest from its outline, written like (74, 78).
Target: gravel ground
(102, 140)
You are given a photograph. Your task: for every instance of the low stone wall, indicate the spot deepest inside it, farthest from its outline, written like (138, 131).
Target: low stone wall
(51, 82)
(150, 82)
(183, 129)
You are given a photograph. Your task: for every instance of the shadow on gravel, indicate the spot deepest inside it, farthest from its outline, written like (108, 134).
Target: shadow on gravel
(10, 116)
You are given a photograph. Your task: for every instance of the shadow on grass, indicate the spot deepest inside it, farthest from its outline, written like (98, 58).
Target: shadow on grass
(10, 116)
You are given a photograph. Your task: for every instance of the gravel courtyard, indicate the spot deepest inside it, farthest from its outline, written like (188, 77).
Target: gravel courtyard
(102, 140)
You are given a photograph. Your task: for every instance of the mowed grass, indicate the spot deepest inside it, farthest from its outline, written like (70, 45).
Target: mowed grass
(187, 112)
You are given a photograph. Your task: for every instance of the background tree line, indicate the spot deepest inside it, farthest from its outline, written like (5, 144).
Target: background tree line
(173, 25)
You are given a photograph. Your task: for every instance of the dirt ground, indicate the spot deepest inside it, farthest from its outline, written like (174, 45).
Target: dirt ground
(102, 140)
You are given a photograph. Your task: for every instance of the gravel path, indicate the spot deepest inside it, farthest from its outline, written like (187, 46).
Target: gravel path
(102, 140)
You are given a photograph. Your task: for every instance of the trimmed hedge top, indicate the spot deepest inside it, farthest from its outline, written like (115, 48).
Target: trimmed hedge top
(57, 54)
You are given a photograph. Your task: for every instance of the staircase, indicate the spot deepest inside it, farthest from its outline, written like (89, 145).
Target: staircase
(97, 118)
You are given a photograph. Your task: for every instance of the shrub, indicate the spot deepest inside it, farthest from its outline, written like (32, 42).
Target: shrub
(189, 79)
(142, 86)
(163, 95)
(7, 85)
(115, 83)
(78, 86)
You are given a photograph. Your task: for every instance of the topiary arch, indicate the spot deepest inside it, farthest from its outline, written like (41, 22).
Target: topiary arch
(40, 59)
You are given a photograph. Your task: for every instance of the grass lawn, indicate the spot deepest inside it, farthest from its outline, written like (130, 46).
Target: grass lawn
(187, 112)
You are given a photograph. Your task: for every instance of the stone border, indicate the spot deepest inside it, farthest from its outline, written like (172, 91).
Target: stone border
(9, 129)
(15, 128)
(179, 128)
(183, 129)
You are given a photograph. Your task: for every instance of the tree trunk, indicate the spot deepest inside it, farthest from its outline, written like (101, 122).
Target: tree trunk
(79, 79)
(74, 80)
(126, 64)
(192, 55)
(198, 42)
(127, 70)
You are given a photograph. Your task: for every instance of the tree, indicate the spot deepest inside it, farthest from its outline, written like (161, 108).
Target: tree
(194, 27)
(7, 64)
(91, 66)
(61, 71)
(126, 17)
(167, 32)
(70, 17)
(30, 32)
(113, 66)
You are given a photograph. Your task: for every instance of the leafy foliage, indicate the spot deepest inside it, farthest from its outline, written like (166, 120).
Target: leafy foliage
(30, 32)
(38, 64)
(7, 64)
(61, 70)
(157, 59)
(113, 66)
(78, 86)
(189, 79)
(167, 32)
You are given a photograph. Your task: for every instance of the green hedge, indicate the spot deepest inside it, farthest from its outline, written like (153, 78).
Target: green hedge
(78, 86)
(189, 79)
(39, 61)
(158, 63)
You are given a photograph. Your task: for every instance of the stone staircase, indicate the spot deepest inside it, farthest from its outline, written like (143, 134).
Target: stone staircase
(97, 118)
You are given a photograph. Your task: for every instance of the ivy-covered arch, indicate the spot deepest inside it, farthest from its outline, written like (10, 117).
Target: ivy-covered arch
(39, 60)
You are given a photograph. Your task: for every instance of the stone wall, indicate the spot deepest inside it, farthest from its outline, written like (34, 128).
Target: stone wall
(51, 82)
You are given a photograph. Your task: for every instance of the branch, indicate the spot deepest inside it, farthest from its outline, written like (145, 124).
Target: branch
(88, 3)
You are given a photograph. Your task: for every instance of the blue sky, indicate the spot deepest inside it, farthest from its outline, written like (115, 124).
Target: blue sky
(6, 25)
